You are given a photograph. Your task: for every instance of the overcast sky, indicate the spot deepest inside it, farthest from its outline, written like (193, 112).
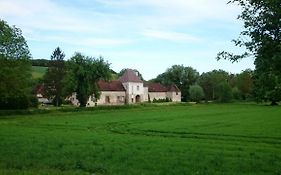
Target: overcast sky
(148, 35)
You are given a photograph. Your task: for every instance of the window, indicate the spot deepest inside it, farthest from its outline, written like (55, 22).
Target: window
(107, 99)
(138, 88)
(120, 99)
(177, 93)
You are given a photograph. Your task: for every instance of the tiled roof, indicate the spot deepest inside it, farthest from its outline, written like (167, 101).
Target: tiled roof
(110, 86)
(173, 88)
(130, 76)
(156, 87)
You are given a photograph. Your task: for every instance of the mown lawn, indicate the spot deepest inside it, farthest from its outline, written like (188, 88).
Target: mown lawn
(198, 139)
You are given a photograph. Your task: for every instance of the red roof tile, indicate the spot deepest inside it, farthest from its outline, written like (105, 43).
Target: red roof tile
(173, 88)
(110, 86)
(130, 76)
(156, 87)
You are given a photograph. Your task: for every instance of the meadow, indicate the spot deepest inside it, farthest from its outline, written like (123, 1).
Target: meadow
(38, 72)
(179, 139)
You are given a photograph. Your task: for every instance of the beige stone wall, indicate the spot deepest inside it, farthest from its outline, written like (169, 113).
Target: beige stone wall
(175, 96)
(157, 95)
(145, 94)
(113, 98)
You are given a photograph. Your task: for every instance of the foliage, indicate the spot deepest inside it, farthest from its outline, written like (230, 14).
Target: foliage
(162, 100)
(15, 72)
(245, 83)
(197, 139)
(12, 43)
(236, 93)
(83, 73)
(210, 81)
(196, 93)
(54, 77)
(262, 39)
(224, 92)
(181, 76)
(40, 62)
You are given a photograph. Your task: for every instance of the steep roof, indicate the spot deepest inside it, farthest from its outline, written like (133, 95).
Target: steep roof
(110, 86)
(130, 76)
(173, 88)
(156, 87)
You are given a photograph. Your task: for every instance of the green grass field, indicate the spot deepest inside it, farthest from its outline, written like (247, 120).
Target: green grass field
(198, 139)
(38, 72)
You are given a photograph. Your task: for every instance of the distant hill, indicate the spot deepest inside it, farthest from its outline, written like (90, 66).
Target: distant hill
(38, 71)
(40, 66)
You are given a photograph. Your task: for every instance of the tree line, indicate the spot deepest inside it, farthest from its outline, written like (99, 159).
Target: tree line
(216, 85)
(261, 38)
(79, 74)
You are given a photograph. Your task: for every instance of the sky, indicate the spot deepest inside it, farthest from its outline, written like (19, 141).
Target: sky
(147, 35)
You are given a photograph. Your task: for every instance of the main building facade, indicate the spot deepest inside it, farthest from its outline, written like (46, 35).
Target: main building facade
(130, 89)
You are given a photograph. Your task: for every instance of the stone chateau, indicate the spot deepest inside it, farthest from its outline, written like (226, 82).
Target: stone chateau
(130, 89)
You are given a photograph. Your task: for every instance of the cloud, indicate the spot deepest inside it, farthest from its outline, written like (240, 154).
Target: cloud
(171, 36)
(83, 41)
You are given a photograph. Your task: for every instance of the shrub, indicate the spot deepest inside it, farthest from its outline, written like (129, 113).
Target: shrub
(236, 93)
(33, 101)
(196, 93)
(225, 92)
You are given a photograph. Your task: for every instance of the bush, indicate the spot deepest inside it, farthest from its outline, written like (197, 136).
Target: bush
(196, 93)
(33, 101)
(225, 92)
(14, 102)
(236, 93)
(162, 100)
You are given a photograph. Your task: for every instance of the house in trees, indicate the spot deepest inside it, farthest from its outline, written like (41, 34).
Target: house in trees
(130, 89)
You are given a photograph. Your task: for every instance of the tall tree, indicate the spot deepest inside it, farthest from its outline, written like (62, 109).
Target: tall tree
(196, 93)
(182, 76)
(83, 73)
(244, 82)
(262, 39)
(210, 81)
(15, 71)
(53, 79)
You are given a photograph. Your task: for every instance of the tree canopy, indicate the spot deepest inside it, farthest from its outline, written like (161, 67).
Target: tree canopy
(13, 44)
(262, 39)
(54, 77)
(15, 72)
(181, 76)
(196, 93)
(83, 73)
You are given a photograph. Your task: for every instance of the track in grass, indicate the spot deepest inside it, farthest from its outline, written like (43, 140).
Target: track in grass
(200, 139)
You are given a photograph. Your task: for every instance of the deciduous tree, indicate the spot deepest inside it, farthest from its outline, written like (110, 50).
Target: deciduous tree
(262, 39)
(15, 68)
(181, 76)
(54, 77)
(196, 93)
(83, 73)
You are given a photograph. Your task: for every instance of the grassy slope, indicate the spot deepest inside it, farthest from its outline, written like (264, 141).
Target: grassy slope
(38, 72)
(204, 139)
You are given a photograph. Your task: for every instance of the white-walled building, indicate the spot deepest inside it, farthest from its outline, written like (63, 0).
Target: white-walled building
(130, 89)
